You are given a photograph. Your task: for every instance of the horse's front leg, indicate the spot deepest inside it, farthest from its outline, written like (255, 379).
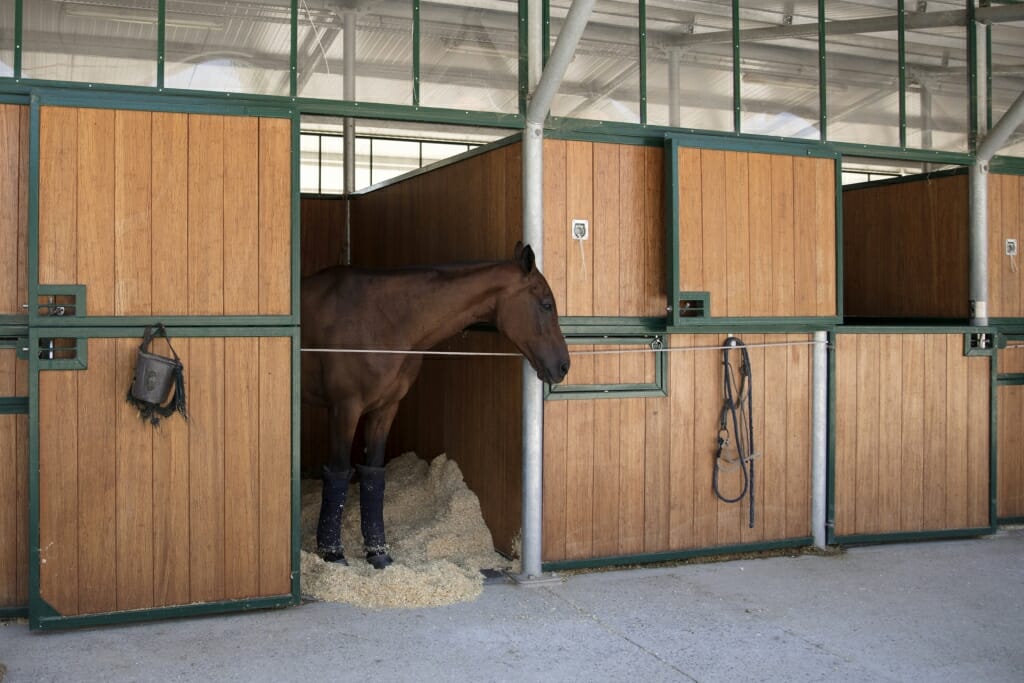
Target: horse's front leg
(336, 475)
(371, 485)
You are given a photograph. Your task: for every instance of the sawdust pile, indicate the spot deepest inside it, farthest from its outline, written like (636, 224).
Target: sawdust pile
(438, 539)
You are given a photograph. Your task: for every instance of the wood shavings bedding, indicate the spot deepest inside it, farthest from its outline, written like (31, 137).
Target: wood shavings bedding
(438, 540)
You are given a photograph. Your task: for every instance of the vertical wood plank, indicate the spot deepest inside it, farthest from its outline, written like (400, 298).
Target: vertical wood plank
(715, 248)
(58, 477)
(798, 460)
(96, 198)
(605, 498)
(11, 173)
(275, 465)
(956, 472)
(935, 397)
(631, 467)
(846, 434)
(9, 558)
(555, 214)
(242, 365)
(913, 453)
(556, 424)
(206, 469)
(655, 234)
(275, 289)
(170, 159)
(657, 470)
(737, 235)
(21, 482)
(58, 162)
(890, 430)
(1011, 222)
(783, 283)
(579, 169)
(825, 221)
(759, 201)
(133, 220)
(171, 522)
(630, 243)
(997, 263)
(22, 251)
(1009, 488)
(773, 467)
(978, 447)
(134, 448)
(707, 373)
(579, 507)
(100, 399)
(805, 236)
(605, 230)
(691, 225)
(868, 420)
(205, 214)
(242, 215)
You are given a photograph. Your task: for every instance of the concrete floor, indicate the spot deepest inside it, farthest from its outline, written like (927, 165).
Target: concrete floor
(935, 611)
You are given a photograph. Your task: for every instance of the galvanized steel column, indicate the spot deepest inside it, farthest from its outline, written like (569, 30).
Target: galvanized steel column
(539, 104)
(348, 28)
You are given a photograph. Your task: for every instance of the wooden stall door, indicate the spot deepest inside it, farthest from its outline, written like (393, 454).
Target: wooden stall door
(183, 218)
(14, 126)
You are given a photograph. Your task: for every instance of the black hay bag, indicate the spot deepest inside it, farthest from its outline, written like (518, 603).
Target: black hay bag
(154, 378)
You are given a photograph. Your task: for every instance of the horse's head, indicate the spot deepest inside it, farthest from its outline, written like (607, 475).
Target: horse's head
(527, 315)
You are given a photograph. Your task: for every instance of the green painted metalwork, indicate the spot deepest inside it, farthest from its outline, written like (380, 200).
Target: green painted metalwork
(643, 60)
(901, 19)
(523, 45)
(293, 52)
(13, 405)
(415, 53)
(972, 77)
(598, 324)
(659, 387)
(988, 78)
(737, 103)
(822, 75)
(901, 537)
(675, 555)
(13, 612)
(18, 15)
(63, 311)
(61, 357)
(161, 42)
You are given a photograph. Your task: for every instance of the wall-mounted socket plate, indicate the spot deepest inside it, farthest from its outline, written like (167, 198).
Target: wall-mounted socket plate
(1011, 247)
(580, 229)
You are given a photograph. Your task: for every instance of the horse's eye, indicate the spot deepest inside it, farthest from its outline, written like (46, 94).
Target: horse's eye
(547, 305)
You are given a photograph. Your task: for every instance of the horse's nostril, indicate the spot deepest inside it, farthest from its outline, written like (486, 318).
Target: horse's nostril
(564, 367)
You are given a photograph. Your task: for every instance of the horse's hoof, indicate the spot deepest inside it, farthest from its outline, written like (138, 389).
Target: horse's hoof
(334, 556)
(379, 560)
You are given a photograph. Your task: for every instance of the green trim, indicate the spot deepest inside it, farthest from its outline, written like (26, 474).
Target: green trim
(1010, 380)
(65, 94)
(293, 52)
(840, 271)
(19, 612)
(50, 620)
(675, 555)
(161, 42)
(523, 46)
(766, 325)
(753, 143)
(911, 328)
(903, 536)
(1006, 165)
(182, 321)
(80, 360)
(822, 75)
(914, 178)
(993, 438)
(645, 140)
(988, 77)
(659, 387)
(79, 306)
(1011, 520)
(415, 53)
(927, 156)
(6, 98)
(642, 59)
(901, 33)
(980, 343)
(580, 325)
(18, 35)
(737, 102)
(671, 192)
(702, 309)
(13, 405)
(972, 78)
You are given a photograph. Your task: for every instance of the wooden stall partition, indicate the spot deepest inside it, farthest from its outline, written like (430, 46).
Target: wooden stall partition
(757, 232)
(629, 477)
(137, 518)
(1010, 453)
(1005, 215)
(14, 132)
(164, 213)
(14, 476)
(905, 248)
(911, 436)
(619, 271)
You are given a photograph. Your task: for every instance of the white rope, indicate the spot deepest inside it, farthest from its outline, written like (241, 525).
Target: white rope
(395, 352)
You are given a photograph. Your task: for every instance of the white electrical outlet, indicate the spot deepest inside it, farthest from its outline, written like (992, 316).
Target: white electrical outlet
(580, 229)
(1011, 247)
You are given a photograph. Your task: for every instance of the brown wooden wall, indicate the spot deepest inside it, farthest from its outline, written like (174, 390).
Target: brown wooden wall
(911, 435)
(166, 214)
(620, 270)
(13, 208)
(322, 233)
(1010, 444)
(757, 231)
(132, 517)
(14, 479)
(905, 249)
(1005, 216)
(633, 475)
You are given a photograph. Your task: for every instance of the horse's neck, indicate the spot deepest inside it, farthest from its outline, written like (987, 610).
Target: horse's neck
(453, 298)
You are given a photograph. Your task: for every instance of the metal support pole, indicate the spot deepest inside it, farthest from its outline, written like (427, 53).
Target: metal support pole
(349, 126)
(819, 446)
(978, 186)
(673, 87)
(533, 234)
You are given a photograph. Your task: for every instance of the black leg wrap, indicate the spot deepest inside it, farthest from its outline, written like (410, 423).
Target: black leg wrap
(371, 504)
(332, 505)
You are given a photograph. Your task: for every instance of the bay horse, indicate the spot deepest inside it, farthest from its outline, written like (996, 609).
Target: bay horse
(409, 309)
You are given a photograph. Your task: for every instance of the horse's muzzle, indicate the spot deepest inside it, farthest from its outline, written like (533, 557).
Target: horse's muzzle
(554, 376)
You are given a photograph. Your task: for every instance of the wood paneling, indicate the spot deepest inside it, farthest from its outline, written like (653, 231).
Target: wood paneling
(655, 494)
(133, 517)
(911, 450)
(14, 474)
(620, 270)
(757, 231)
(166, 214)
(13, 208)
(905, 249)
(1010, 456)
(1006, 211)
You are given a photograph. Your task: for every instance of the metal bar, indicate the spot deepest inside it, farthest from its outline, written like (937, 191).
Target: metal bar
(737, 104)
(161, 42)
(673, 87)
(415, 53)
(18, 33)
(349, 144)
(293, 51)
(822, 73)
(533, 233)
(901, 17)
(642, 59)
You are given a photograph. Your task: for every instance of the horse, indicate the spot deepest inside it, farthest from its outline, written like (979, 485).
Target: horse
(409, 309)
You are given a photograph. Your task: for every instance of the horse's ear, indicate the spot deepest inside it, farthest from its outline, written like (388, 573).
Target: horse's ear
(524, 257)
